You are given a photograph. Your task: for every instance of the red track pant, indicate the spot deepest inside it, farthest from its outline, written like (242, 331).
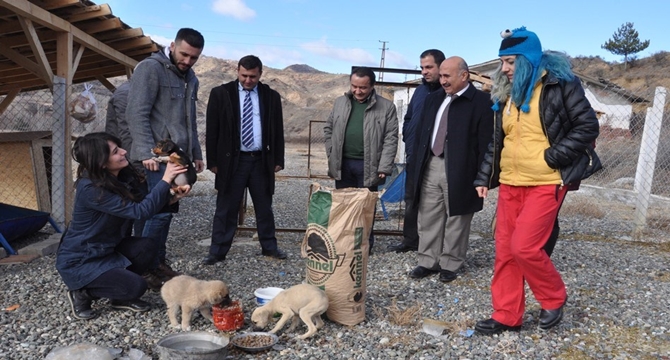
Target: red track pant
(525, 218)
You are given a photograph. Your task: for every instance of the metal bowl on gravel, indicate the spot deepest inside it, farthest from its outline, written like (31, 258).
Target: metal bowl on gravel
(254, 341)
(193, 346)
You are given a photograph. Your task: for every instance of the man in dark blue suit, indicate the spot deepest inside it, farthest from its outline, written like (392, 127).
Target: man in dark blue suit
(430, 70)
(245, 148)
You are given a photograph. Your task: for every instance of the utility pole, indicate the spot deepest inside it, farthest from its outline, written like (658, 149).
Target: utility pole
(381, 64)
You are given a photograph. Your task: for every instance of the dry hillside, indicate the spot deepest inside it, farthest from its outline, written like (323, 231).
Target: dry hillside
(307, 94)
(640, 74)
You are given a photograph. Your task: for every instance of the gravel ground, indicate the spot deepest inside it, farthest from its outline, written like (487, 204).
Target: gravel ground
(618, 306)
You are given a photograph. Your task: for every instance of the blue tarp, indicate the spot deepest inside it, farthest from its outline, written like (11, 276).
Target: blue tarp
(394, 190)
(16, 222)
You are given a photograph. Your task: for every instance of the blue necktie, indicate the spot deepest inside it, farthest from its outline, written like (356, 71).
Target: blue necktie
(248, 122)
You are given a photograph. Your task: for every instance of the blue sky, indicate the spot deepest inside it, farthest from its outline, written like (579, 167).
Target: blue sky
(333, 35)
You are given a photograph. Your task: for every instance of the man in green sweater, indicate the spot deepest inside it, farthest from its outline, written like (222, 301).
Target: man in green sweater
(361, 136)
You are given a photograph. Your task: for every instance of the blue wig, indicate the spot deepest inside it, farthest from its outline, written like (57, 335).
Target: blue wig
(555, 63)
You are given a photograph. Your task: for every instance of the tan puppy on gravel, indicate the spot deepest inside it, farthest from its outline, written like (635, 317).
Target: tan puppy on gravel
(303, 300)
(190, 294)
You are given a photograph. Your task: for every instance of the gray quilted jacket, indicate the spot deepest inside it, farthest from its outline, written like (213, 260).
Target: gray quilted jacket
(161, 104)
(380, 130)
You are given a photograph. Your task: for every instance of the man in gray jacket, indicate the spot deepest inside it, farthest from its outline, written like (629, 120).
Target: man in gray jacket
(361, 136)
(161, 105)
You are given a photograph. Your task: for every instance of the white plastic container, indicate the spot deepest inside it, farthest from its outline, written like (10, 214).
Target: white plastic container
(264, 295)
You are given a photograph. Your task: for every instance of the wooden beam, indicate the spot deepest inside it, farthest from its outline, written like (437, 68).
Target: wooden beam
(100, 26)
(45, 18)
(55, 4)
(23, 61)
(37, 49)
(87, 13)
(37, 84)
(79, 51)
(131, 43)
(64, 55)
(8, 99)
(121, 34)
(103, 80)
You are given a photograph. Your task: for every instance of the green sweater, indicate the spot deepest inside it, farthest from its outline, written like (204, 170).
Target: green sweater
(353, 137)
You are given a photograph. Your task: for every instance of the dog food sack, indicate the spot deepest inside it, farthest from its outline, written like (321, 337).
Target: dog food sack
(336, 246)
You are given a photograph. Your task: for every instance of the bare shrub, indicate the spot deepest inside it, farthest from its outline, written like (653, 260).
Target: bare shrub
(404, 317)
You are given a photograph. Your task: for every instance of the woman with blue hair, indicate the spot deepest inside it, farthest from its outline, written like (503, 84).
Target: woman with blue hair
(543, 130)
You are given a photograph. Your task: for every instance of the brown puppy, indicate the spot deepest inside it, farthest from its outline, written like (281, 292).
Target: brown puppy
(167, 151)
(190, 294)
(304, 300)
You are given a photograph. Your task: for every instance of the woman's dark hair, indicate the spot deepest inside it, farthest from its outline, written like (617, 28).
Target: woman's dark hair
(91, 151)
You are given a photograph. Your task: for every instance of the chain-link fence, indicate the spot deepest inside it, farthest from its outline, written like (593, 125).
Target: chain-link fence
(633, 189)
(634, 185)
(33, 153)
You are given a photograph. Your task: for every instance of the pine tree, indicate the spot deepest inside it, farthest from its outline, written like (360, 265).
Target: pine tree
(625, 41)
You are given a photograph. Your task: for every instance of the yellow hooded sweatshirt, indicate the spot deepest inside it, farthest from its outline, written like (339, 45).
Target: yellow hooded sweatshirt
(522, 157)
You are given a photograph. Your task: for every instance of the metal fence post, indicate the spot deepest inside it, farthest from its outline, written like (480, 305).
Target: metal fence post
(58, 150)
(646, 163)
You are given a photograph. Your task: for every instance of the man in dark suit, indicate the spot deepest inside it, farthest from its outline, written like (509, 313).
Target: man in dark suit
(430, 70)
(245, 148)
(455, 130)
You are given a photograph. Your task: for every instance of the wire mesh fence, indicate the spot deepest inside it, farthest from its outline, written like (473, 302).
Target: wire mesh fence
(632, 190)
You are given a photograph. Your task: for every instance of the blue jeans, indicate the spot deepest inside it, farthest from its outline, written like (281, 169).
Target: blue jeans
(126, 284)
(157, 226)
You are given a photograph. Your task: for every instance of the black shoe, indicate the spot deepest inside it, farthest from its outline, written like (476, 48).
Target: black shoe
(490, 327)
(420, 272)
(277, 254)
(80, 302)
(550, 318)
(165, 272)
(401, 248)
(154, 281)
(135, 305)
(212, 259)
(447, 276)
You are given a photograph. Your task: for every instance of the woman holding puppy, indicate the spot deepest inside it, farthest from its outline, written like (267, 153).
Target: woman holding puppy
(97, 258)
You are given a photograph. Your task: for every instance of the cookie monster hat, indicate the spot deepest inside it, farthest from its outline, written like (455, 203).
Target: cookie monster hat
(523, 42)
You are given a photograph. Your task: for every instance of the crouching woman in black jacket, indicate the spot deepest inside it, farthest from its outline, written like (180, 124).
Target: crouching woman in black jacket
(96, 257)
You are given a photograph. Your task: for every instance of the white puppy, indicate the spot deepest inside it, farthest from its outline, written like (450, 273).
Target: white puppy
(190, 294)
(305, 301)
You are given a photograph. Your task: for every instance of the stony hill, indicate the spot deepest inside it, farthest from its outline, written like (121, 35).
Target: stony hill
(307, 93)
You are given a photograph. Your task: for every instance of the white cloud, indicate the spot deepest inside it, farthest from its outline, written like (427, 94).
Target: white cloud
(395, 59)
(160, 39)
(351, 55)
(235, 8)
